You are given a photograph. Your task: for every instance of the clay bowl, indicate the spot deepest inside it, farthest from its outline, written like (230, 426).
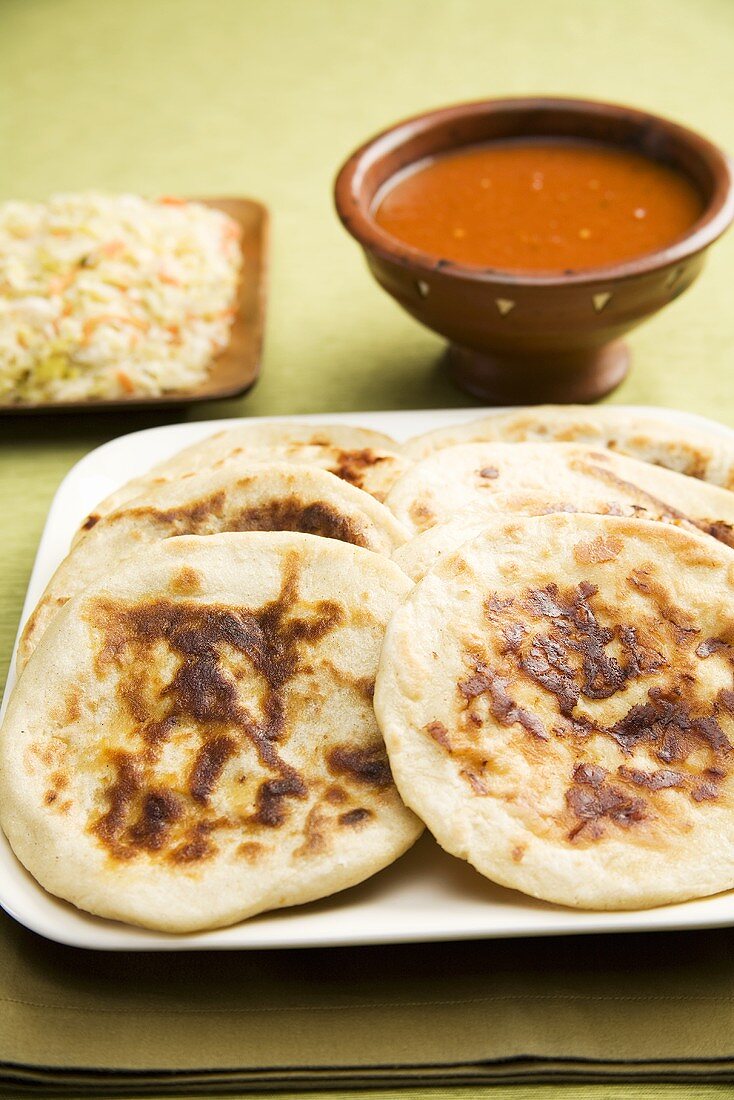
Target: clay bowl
(520, 338)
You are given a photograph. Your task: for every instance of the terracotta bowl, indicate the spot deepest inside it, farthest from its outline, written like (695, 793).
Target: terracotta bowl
(517, 338)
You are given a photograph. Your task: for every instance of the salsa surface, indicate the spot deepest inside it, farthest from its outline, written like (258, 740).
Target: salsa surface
(539, 205)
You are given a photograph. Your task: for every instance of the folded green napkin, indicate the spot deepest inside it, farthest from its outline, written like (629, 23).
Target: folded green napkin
(588, 1009)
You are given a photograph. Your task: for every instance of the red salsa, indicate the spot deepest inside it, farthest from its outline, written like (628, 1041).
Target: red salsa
(539, 204)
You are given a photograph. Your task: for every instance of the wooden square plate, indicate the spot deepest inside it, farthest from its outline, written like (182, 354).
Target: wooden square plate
(235, 369)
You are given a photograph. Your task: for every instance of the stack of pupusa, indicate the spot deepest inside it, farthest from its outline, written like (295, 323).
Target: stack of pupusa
(192, 739)
(556, 694)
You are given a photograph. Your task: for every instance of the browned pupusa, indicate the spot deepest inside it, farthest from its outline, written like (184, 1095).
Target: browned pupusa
(368, 460)
(557, 699)
(242, 497)
(537, 478)
(194, 740)
(650, 435)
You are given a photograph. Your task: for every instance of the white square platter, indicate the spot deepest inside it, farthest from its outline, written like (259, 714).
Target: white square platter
(427, 895)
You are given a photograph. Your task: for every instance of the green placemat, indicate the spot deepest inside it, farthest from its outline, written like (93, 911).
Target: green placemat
(585, 1009)
(266, 97)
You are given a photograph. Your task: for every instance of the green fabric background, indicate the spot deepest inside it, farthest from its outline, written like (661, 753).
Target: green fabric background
(249, 97)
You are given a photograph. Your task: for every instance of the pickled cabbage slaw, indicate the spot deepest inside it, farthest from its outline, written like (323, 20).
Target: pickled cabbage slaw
(112, 296)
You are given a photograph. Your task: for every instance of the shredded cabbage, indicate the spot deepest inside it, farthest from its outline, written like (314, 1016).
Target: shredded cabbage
(106, 296)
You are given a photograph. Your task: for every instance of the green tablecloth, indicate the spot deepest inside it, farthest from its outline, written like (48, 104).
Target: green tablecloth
(265, 98)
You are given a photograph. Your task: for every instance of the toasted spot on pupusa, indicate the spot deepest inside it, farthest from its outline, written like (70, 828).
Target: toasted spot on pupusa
(537, 478)
(368, 460)
(184, 760)
(645, 436)
(557, 701)
(240, 497)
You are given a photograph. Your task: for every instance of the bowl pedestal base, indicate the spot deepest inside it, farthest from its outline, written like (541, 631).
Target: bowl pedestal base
(569, 377)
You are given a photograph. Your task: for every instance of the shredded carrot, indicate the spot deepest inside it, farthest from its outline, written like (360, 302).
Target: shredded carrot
(112, 248)
(125, 381)
(172, 200)
(104, 318)
(171, 280)
(60, 283)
